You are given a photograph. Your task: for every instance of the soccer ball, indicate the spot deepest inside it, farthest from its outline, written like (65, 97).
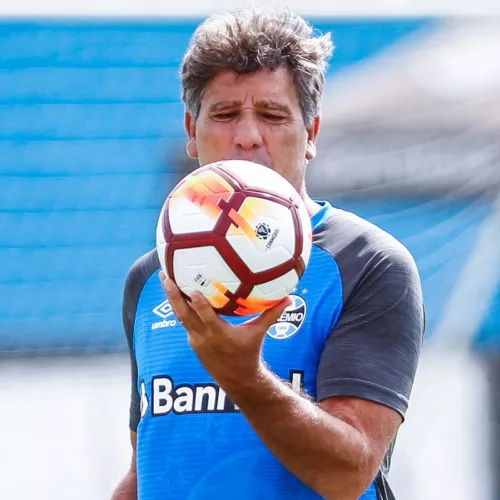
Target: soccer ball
(236, 231)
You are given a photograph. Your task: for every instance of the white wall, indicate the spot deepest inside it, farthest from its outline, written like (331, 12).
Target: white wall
(64, 430)
(442, 452)
(200, 7)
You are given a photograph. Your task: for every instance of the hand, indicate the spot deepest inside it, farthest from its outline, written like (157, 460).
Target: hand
(231, 354)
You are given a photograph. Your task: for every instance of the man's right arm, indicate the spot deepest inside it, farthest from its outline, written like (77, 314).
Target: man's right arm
(139, 273)
(127, 488)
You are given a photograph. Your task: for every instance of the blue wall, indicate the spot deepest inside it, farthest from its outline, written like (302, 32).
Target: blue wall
(90, 133)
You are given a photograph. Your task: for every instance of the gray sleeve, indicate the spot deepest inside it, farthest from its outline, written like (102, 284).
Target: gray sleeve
(373, 350)
(139, 273)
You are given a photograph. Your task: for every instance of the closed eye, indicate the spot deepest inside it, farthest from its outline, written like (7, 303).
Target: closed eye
(274, 118)
(229, 115)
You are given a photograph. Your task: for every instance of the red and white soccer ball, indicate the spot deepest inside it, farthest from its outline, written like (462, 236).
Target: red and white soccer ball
(236, 231)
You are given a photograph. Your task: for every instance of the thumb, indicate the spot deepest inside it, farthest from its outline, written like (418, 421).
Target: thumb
(271, 315)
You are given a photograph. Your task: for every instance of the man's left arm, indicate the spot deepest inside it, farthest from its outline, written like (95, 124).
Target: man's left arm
(335, 448)
(365, 375)
(364, 381)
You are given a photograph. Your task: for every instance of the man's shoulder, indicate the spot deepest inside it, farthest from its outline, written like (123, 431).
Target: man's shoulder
(347, 233)
(360, 247)
(139, 273)
(142, 269)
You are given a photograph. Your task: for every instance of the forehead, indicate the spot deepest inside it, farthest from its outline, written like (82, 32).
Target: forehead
(227, 85)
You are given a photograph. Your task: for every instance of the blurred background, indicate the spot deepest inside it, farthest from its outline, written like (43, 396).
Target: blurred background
(91, 142)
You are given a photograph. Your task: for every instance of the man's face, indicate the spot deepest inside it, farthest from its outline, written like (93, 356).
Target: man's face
(253, 117)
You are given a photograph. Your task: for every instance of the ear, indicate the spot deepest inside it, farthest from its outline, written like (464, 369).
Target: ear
(312, 132)
(190, 126)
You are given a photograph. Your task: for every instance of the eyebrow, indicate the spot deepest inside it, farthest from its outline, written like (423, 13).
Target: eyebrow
(217, 106)
(262, 103)
(276, 106)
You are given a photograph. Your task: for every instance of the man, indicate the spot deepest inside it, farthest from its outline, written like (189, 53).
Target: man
(220, 409)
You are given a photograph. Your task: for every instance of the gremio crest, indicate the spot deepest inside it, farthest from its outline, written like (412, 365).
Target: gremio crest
(290, 321)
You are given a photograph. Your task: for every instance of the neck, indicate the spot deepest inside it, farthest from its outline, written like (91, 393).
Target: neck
(311, 206)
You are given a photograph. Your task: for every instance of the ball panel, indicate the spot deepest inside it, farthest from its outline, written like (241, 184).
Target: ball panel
(161, 246)
(277, 288)
(258, 260)
(268, 294)
(203, 269)
(252, 305)
(217, 301)
(262, 233)
(258, 176)
(161, 250)
(186, 217)
(195, 205)
(210, 179)
(160, 235)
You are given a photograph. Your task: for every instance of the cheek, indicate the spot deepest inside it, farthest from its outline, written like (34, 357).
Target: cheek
(287, 153)
(291, 146)
(211, 142)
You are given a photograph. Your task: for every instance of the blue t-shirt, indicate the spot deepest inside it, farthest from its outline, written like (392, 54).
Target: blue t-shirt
(354, 329)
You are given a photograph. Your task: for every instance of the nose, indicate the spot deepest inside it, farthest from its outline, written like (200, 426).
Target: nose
(247, 135)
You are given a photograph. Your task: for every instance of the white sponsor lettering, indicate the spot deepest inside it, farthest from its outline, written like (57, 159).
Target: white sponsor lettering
(297, 380)
(184, 399)
(198, 398)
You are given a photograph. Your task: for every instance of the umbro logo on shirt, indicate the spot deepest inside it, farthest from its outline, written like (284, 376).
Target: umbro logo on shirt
(164, 311)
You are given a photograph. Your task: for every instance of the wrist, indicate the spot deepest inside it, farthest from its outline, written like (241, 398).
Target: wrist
(248, 382)
(262, 389)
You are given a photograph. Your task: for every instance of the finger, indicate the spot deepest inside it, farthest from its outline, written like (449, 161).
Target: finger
(184, 312)
(205, 311)
(271, 315)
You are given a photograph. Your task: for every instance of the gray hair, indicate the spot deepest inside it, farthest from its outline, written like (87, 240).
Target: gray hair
(251, 39)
